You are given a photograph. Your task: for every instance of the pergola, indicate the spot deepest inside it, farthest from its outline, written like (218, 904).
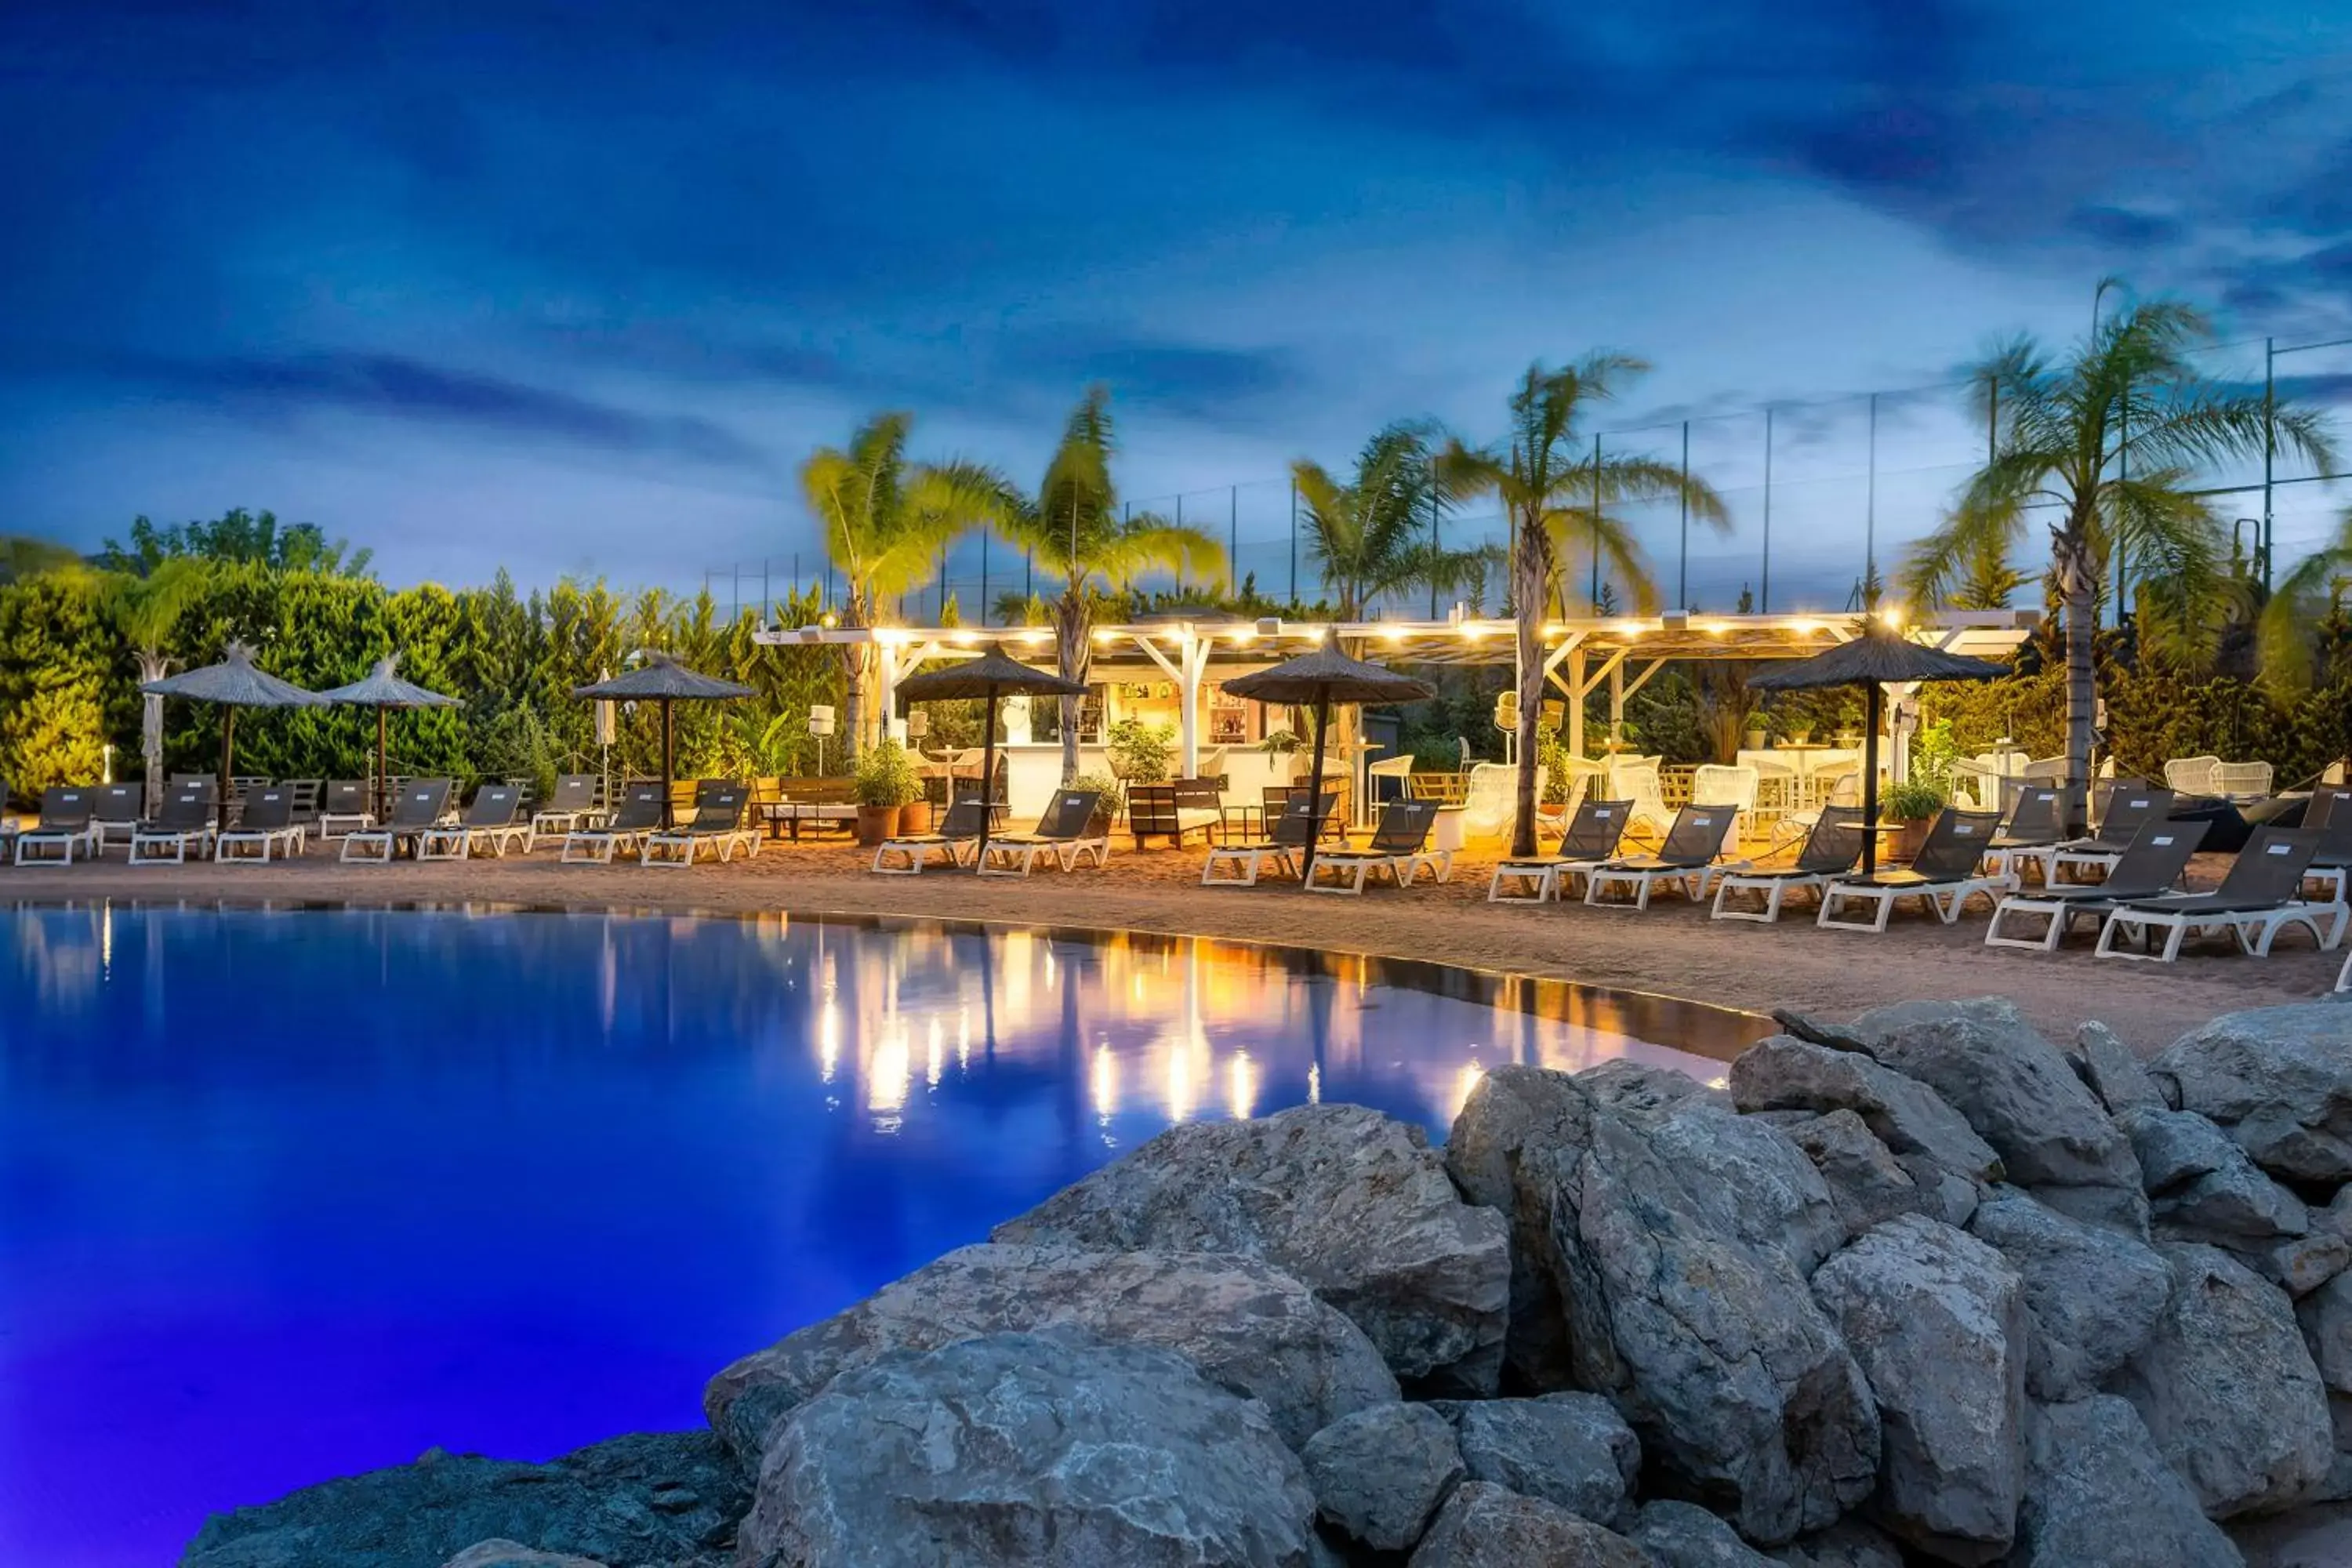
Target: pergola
(1580, 656)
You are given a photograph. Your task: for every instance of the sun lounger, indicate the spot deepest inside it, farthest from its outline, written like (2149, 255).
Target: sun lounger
(1293, 829)
(624, 832)
(416, 809)
(2260, 896)
(1831, 847)
(344, 808)
(488, 824)
(66, 827)
(1068, 829)
(959, 832)
(267, 826)
(187, 821)
(116, 813)
(2129, 811)
(573, 804)
(2150, 866)
(1591, 841)
(1690, 859)
(1398, 847)
(2036, 821)
(1945, 875)
(717, 826)
(2331, 861)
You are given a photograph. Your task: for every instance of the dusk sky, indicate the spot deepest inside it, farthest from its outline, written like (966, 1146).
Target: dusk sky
(573, 287)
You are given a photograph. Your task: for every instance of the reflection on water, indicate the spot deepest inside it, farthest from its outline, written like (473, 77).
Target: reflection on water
(287, 1194)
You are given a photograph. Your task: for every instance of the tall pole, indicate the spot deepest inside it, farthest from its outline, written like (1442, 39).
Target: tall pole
(669, 764)
(767, 593)
(1294, 542)
(1870, 514)
(1179, 559)
(383, 769)
(1682, 573)
(1436, 508)
(1315, 787)
(1764, 597)
(2269, 446)
(1233, 538)
(228, 745)
(1870, 780)
(984, 586)
(1596, 523)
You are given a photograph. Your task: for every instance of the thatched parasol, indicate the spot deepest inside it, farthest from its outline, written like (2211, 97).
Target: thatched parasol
(1322, 678)
(233, 683)
(661, 678)
(383, 690)
(989, 676)
(1872, 662)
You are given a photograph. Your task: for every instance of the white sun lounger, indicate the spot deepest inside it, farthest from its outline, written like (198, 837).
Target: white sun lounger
(267, 826)
(717, 826)
(1944, 876)
(1066, 833)
(2261, 897)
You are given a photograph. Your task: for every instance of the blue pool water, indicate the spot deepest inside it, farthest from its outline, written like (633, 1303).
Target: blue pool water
(289, 1195)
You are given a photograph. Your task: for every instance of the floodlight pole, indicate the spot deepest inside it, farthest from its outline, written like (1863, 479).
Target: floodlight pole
(1764, 596)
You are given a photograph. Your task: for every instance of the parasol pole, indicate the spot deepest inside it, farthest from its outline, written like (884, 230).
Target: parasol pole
(383, 767)
(1870, 779)
(1315, 785)
(987, 777)
(228, 742)
(670, 767)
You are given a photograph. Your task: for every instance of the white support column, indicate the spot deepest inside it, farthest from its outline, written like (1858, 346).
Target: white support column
(1576, 704)
(892, 664)
(1617, 704)
(1185, 669)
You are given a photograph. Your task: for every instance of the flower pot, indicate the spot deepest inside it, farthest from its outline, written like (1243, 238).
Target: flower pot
(1802, 737)
(1898, 848)
(877, 823)
(1754, 740)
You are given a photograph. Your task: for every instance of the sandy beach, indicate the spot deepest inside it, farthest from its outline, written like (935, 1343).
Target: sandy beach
(1673, 949)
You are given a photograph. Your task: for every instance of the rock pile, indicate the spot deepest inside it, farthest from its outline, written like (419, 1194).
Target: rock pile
(1921, 1288)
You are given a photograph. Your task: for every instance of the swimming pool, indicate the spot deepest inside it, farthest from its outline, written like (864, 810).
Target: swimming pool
(290, 1194)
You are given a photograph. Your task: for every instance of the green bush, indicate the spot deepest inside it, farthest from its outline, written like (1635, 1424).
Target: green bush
(1912, 802)
(1140, 751)
(1114, 793)
(885, 776)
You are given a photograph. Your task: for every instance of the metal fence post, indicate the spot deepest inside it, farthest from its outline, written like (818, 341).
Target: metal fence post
(1764, 596)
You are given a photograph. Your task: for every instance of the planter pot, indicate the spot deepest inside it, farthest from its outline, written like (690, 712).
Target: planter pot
(877, 823)
(1754, 740)
(1802, 737)
(1905, 842)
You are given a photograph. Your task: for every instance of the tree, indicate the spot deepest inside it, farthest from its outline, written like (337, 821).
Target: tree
(1074, 530)
(2306, 608)
(1560, 496)
(21, 555)
(2104, 445)
(1370, 535)
(1986, 579)
(237, 535)
(145, 610)
(884, 521)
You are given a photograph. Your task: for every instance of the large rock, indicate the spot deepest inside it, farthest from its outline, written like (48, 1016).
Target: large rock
(2102, 1060)
(1684, 1535)
(1684, 1240)
(514, 1554)
(1048, 1450)
(2302, 1264)
(2280, 1080)
(1867, 1183)
(1381, 1474)
(1354, 1204)
(666, 1498)
(2099, 1495)
(1484, 1526)
(1937, 1320)
(2325, 1316)
(2091, 1295)
(1784, 1073)
(2013, 1085)
(1245, 1325)
(1573, 1449)
(2228, 1389)
(2203, 1181)
(1849, 1544)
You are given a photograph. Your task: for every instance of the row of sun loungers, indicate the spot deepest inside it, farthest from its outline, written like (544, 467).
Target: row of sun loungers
(1070, 831)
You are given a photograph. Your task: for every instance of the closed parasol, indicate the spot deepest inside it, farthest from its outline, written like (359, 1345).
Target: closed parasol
(661, 678)
(383, 690)
(233, 683)
(990, 675)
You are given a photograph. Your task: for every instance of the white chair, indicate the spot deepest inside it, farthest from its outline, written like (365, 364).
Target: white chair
(2241, 781)
(2192, 775)
(1491, 802)
(1636, 779)
(1716, 784)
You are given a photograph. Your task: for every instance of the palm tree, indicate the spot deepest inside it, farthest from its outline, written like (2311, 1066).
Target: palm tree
(1074, 530)
(146, 610)
(2103, 445)
(1369, 535)
(1560, 494)
(1985, 579)
(884, 521)
(2287, 633)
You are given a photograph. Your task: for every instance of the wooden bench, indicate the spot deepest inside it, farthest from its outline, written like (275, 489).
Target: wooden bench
(1172, 810)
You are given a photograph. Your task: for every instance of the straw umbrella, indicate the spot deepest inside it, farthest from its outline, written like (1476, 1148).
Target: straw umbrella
(233, 683)
(990, 675)
(1322, 678)
(384, 690)
(1872, 662)
(661, 678)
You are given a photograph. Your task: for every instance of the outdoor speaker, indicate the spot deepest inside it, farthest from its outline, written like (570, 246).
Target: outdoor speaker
(820, 719)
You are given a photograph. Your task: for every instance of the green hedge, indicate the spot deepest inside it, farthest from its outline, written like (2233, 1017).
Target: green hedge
(68, 684)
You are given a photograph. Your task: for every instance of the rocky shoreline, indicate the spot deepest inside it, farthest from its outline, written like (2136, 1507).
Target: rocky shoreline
(1919, 1288)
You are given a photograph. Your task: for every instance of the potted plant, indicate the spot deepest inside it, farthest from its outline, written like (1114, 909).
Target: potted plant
(1139, 752)
(1760, 725)
(884, 785)
(1910, 808)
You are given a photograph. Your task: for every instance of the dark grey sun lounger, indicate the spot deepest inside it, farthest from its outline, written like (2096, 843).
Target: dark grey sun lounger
(417, 809)
(2129, 811)
(2149, 867)
(65, 826)
(571, 805)
(1945, 875)
(1066, 832)
(187, 821)
(265, 826)
(959, 831)
(488, 824)
(640, 814)
(1590, 842)
(1294, 829)
(2261, 895)
(1691, 856)
(2035, 822)
(1398, 847)
(1831, 847)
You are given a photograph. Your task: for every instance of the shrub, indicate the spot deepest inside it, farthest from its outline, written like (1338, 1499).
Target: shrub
(1140, 751)
(1114, 793)
(1912, 802)
(885, 776)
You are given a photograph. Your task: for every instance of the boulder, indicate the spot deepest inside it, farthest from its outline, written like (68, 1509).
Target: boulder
(2174, 1147)
(1381, 1474)
(1246, 1325)
(2013, 1087)
(1054, 1449)
(514, 1554)
(2299, 1265)
(2093, 1296)
(2325, 1316)
(2336, 1217)
(1684, 1241)
(666, 1498)
(1354, 1205)
(2112, 1069)
(1485, 1526)
(1867, 1185)
(1573, 1449)
(1820, 1031)
(1849, 1544)
(2278, 1078)
(1937, 1320)
(1683, 1535)
(2202, 1182)
(2228, 1389)
(2098, 1492)
(1784, 1073)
